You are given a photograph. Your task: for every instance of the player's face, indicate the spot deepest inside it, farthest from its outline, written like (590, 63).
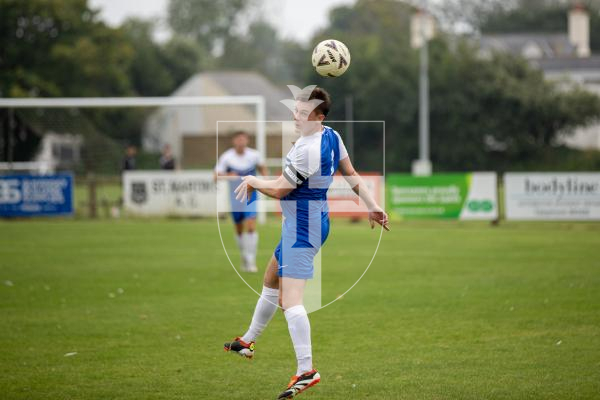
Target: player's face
(306, 119)
(131, 151)
(240, 142)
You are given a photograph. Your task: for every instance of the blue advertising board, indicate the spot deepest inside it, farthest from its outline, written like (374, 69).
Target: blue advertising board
(31, 195)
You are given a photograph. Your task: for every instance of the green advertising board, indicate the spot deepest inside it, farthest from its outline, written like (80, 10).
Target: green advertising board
(468, 196)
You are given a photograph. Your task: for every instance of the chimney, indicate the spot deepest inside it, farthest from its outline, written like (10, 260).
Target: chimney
(421, 23)
(579, 30)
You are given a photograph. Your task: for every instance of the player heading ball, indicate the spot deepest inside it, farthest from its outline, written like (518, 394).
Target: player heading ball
(316, 156)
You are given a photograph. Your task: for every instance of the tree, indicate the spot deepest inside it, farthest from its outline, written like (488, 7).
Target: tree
(262, 50)
(493, 113)
(236, 38)
(148, 74)
(157, 69)
(485, 114)
(52, 48)
(183, 58)
(209, 22)
(59, 48)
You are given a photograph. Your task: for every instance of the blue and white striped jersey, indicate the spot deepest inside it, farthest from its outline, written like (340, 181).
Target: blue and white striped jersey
(310, 165)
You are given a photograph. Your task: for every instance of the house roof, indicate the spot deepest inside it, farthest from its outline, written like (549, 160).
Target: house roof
(241, 84)
(568, 64)
(550, 45)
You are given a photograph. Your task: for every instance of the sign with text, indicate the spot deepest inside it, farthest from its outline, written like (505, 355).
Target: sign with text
(36, 195)
(177, 193)
(469, 196)
(552, 196)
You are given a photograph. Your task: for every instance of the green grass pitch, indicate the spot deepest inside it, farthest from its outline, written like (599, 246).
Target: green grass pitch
(447, 311)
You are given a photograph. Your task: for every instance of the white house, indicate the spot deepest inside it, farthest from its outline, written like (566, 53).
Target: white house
(192, 131)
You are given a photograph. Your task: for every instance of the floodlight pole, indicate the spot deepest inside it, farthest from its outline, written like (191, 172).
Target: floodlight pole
(424, 93)
(422, 166)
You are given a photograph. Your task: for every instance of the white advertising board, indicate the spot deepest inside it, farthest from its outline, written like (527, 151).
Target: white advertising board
(178, 193)
(195, 194)
(552, 196)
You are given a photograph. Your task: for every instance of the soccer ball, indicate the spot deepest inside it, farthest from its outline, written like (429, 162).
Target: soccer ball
(331, 58)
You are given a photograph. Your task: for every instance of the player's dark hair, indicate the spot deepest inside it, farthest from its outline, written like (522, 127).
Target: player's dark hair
(238, 133)
(321, 94)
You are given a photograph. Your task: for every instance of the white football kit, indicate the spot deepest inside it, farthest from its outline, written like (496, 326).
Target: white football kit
(242, 165)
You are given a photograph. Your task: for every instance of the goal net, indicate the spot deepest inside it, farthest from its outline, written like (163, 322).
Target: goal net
(101, 140)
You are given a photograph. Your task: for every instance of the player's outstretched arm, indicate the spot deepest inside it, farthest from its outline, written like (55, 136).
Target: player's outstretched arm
(225, 176)
(263, 170)
(275, 188)
(376, 213)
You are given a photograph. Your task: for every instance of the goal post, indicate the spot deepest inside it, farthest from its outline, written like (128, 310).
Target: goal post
(114, 102)
(258, 102)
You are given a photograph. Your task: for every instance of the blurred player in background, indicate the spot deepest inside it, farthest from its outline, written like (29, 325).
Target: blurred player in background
(238, 161)
(167, 161)
(302, 188)
(129, 162)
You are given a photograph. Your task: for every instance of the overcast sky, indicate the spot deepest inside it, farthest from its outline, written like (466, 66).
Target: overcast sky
(297, 19)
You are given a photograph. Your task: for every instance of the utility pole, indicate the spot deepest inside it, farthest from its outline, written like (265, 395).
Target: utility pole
(422, 166)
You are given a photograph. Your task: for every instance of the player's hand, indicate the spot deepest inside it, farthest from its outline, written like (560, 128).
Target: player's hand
(245, 189)
(377, 215)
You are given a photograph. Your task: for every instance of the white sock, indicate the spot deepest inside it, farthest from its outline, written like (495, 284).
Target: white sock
(264, 311)
(240, 239)
(245, 252)
(299, 328)
(240, 242)
(251, 242)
